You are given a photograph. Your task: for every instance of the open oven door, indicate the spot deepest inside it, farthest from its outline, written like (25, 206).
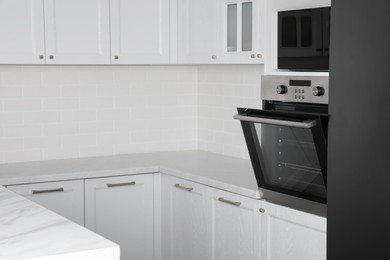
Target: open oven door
(288, 151)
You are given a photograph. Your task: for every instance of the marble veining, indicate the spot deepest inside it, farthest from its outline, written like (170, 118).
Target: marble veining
(29, 231)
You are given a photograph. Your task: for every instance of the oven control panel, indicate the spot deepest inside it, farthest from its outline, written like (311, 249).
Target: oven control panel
(305, 89)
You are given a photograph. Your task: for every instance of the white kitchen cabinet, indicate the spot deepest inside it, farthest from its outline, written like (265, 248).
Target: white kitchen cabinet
(186, 232)
(77, 32)
(241, 31)
(293, 234)
(139, 31)
(197, 31)
(22, 32)
(65, 198)
(121, 209)
(235, 227)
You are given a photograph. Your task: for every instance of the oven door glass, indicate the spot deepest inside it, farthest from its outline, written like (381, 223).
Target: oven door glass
(288, 151)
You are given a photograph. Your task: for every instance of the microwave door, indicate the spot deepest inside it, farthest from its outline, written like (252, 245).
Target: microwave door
(288, 152)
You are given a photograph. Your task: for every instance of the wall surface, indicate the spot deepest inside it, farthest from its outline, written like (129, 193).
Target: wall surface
(51, 112)
(221, 89)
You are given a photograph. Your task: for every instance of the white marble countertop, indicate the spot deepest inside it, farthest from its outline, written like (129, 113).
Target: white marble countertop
(29, 231)
(222, 172)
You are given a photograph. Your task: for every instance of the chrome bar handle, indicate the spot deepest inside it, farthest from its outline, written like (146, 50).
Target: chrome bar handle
(47, 191)
(235, 203)
(111, 185)
(177, 185)
(305, 124)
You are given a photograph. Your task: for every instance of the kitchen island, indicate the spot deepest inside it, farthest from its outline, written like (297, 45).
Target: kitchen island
(30, 231)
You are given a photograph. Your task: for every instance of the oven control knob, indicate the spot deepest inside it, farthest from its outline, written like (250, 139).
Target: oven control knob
(318, 91)
(281, 89)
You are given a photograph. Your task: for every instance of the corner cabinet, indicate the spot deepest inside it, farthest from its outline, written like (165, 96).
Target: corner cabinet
(65, 198)
(121, 209)
(139, 32)
(293, 234)
(185, 222)
(200, 222)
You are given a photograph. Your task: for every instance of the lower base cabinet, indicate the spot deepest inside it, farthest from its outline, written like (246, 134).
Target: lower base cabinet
(65, 198)
(160, 217)
(293, 234)
(236, 227)
(121, 210)
(200, 222)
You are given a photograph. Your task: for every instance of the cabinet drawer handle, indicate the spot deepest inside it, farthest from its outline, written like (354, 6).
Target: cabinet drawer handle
(47, 191)
(183, 188)
(235, 203)
(110, 185)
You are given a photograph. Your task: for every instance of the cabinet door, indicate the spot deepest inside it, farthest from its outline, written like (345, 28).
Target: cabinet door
(65, 198)
(240, 32)
(185, 220)
(22, 32)
(294, 234)
(121, 209)
(139, 31)
(77, 32)
(197, 31)
(235, 227)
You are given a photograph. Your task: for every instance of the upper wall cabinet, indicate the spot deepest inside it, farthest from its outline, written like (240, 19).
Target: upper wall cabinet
(139, 31)
(241, 30)
(22, 32)
(77, 32)
(220, 31)
(197, 31)
(54, 32)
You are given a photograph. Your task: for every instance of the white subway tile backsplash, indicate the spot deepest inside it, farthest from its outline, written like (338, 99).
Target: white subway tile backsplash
(55, 112)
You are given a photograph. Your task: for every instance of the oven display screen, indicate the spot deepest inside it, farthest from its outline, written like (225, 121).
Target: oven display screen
(300, 83)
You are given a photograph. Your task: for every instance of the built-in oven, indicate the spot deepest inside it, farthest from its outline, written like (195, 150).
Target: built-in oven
(287, 139)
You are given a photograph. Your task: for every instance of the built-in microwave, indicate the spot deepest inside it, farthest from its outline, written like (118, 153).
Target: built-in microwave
(303, 39)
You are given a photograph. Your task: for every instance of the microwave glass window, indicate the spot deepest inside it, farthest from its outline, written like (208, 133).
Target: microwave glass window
(289, 31)
(306, 31)
(247, 26)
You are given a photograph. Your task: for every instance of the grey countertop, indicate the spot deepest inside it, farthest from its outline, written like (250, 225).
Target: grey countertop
(219, 171)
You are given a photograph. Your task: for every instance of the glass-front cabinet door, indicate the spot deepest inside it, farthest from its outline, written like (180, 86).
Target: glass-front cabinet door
(242, 25)
(288, 151)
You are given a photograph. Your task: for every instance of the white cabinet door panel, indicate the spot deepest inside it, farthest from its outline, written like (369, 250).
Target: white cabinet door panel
(140, 31)
(77, 32)
(185, 220)
(22, 32)
(292, 234)
(235, 227)
(65, 198)
(197, 31)
(121, 209)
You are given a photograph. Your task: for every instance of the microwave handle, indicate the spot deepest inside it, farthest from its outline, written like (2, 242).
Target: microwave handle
(305, 124)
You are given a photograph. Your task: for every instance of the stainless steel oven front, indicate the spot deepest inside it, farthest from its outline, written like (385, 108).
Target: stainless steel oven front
(287, 139)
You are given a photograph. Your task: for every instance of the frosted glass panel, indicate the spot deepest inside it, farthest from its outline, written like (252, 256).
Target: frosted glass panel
(232, 27)
(247, 26)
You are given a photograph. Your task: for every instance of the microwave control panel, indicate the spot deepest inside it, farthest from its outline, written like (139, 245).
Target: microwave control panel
(313, 89)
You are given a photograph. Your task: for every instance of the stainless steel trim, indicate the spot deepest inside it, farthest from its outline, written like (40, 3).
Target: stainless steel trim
(235, 203)
(111, 185)
(177, 185)
(305, 124)
(47, 191)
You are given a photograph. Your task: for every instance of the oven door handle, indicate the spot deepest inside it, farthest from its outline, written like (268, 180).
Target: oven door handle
(305, 124)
